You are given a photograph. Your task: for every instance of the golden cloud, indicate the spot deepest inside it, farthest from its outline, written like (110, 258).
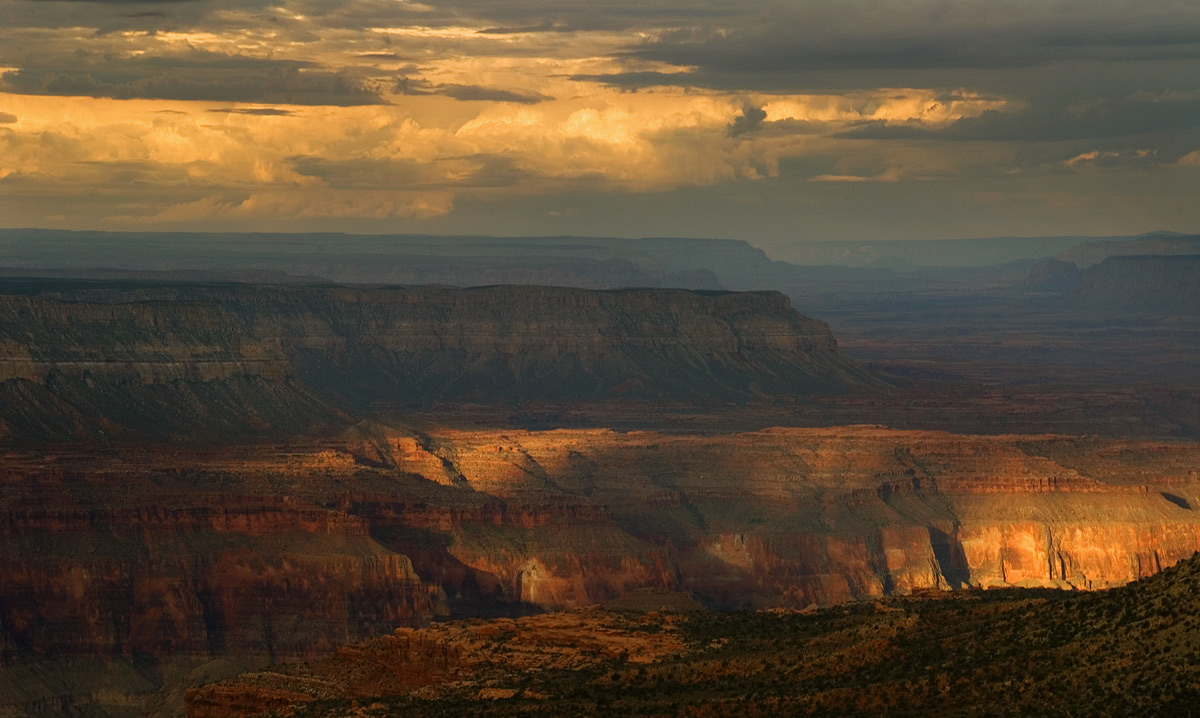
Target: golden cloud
(603, 139)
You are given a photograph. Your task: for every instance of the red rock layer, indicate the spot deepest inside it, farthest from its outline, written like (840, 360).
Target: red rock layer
(126, 554)
(273, 578)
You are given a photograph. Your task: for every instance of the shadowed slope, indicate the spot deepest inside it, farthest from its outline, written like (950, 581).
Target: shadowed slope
(121, 358)
(1128, 651)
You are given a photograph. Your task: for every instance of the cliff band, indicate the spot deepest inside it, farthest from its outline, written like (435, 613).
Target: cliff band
(110, 358)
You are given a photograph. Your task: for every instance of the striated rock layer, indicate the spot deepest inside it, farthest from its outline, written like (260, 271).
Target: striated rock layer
(138, 555)
(112, 359)
(800, 516)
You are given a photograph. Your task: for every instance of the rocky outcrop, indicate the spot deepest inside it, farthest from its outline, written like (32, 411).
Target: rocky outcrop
(1160, 284)
(225, 359)
(1052, 276)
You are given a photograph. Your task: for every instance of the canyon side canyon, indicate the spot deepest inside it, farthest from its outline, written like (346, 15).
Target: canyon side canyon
(259, 554)
(204, 479)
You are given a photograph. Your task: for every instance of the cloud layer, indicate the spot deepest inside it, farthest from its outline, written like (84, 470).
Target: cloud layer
(788, 120)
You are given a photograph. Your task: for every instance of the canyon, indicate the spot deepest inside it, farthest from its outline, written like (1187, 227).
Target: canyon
(124, 360)
(181, 566)
(203, 478)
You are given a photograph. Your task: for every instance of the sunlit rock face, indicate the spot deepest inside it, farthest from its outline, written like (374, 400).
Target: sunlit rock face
(269, 552)
(800, 516)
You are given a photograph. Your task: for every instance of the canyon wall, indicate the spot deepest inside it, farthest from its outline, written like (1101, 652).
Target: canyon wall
(1160, 284)
(140, 555)
(117, 360)
(799, 516)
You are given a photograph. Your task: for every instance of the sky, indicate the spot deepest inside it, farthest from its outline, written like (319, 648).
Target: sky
(773, 122)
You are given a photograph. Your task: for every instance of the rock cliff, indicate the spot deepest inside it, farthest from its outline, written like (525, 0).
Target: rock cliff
(1159, 284)
(108, 359)
(800, 516)
(143, 555)
(1051, 276)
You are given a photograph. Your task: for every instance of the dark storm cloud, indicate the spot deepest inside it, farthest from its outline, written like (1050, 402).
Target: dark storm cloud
(200, 75)
(825, 38)
(412, 86)
(750, 120)
(1053, 123)
(494, 17)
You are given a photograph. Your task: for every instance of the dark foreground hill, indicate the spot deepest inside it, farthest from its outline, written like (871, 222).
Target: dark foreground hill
(1124, 652)
(114, 359)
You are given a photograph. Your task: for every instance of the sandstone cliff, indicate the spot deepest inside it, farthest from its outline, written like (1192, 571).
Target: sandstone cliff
(141, 556)
(800, 516)
(102, 359)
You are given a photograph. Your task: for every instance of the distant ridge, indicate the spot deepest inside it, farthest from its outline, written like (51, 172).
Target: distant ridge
(1163, 284)
(94, 358)
(1156, 243)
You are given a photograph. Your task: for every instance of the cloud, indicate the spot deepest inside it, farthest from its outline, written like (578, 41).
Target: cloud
(928, 34)
(228, 110)
(322, 204)
(1170, 95)
(120, 2)
(7, 118)
(1054, 123)
(415, 86)
(542, 26)
(888, 176)
(1089, 157)
(261, 111)
(1191, 159)
(475, 93)
(750, 120)
(197, 75)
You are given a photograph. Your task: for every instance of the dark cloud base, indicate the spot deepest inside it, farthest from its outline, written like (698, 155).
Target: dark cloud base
(1049, 124)
(199, 76)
